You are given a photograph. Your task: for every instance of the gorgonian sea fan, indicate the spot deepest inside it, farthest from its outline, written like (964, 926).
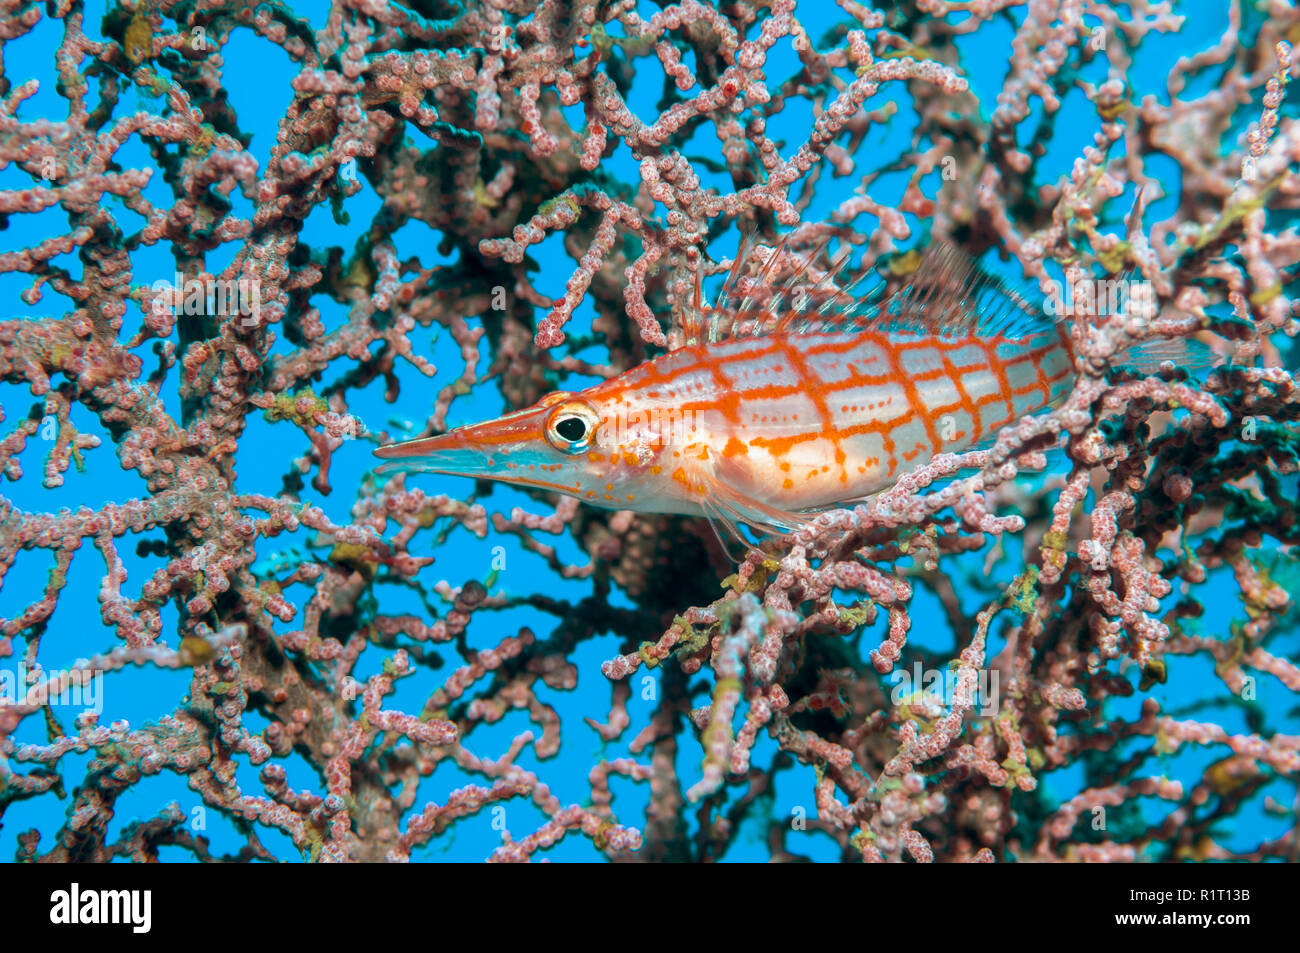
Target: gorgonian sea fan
(363, 676)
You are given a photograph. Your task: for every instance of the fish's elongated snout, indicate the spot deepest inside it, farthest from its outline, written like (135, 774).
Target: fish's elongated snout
(441, 443)
(479, 450)
(453, 452)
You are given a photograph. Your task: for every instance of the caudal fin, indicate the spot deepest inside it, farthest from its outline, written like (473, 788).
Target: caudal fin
(1147, 356)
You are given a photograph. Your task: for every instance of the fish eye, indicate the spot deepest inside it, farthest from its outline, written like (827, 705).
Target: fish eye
(571, 426)
(572, 429)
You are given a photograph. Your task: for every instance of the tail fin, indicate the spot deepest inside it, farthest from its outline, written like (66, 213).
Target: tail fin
(1147, 356)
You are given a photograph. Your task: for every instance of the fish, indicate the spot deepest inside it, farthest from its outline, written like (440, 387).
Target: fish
(791, 401)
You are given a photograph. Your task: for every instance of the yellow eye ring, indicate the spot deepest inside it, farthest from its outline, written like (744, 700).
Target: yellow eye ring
(571, 426)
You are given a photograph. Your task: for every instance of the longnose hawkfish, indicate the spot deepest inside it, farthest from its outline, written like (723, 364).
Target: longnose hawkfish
(769, 412)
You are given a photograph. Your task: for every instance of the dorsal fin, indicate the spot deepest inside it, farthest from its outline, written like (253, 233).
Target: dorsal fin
(950, 295)
(947, 295)
(769, 297)
(773, 293)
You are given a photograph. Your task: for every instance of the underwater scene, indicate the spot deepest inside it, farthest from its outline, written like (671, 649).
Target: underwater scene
(623, 430)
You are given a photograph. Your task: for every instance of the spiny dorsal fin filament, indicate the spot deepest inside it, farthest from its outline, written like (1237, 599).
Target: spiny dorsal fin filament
(947, 295)
(950, 295)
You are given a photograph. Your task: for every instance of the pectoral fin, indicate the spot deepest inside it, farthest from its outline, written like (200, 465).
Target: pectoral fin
(727, 533)
(726, 503)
